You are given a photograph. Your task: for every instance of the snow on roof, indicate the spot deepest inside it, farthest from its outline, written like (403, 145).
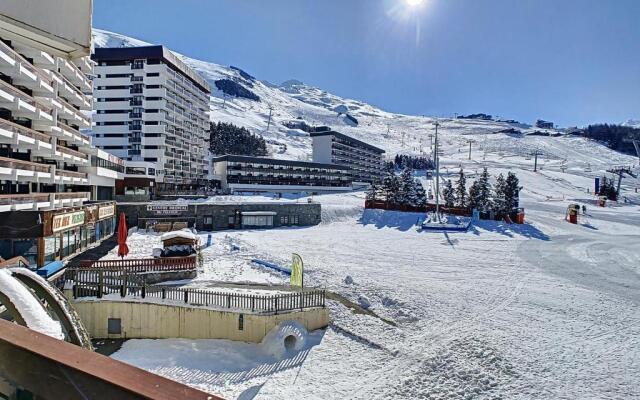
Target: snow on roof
(30, 309)
(185, 234)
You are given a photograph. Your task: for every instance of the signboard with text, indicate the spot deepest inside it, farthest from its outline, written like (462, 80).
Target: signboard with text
(65, 221)
(167, 209)
(297, 271)
(106, 211)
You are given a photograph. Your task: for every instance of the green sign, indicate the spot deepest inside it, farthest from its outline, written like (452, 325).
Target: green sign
(297, 271)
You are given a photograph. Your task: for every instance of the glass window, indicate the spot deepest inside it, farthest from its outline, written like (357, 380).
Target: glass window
(26, 248)
(51, 248)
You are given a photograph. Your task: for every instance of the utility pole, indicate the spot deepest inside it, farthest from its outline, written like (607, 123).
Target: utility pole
(403, 139)
(224, 102)
(270, 112)
(437, 160)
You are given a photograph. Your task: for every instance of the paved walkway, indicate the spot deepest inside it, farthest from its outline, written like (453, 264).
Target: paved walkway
(94, 253)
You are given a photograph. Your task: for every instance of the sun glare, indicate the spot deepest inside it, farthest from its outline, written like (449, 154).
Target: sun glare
(414, 3)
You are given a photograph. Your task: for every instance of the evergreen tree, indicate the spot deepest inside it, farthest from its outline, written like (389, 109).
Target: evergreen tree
(231, 139)
(473, 198)
(391, 188)
(421, 195)
(501, 203)
(372, 193)
(407, 190)
(512, 191)
(461, 190)
(483, 193)
(448, 194)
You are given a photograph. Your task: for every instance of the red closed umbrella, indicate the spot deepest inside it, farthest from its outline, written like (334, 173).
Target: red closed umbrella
(123, 249)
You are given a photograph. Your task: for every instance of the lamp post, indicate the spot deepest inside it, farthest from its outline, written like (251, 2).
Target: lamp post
(437, 160)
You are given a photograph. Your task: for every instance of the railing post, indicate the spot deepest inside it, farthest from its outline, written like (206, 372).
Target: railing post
(186, 296)
(100, 284)
(277, 305)
(323, 296)
(228, 301)
(164, 293)
(144, 291)
(122, 290)
(75, 291)
(253, 303)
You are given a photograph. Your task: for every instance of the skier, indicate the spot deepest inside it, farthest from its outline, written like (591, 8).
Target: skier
(584, 209)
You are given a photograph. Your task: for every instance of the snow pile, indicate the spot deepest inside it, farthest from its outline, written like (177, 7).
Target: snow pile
(286, 338)
(28, 306)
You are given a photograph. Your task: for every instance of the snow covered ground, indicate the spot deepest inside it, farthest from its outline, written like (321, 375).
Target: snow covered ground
(542, 310)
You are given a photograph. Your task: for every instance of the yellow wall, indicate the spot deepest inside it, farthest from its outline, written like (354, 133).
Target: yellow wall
(159, 321)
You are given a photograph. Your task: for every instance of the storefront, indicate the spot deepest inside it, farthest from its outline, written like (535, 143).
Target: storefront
(45, 236)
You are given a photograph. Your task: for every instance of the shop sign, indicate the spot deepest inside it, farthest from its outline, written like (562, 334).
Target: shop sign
(64, 221)
(167, 209)
(106, 211)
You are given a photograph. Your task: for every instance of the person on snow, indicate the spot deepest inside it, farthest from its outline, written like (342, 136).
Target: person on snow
(584, 209)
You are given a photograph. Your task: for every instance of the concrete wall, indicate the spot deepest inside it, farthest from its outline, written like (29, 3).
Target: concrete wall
(308, 213)
(322, 149)
(62, 27)
(160, 321)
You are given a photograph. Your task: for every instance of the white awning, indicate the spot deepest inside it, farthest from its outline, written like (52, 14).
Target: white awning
(259, 213)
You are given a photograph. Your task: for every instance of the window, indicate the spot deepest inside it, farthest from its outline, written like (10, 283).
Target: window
(114, 326)
(257, 220)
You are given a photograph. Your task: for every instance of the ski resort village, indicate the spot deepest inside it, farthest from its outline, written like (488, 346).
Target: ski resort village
(173, 228)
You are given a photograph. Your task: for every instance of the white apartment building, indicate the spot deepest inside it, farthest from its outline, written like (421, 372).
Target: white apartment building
(152, 111)
(51, 178)
(365, 161)
(45, 100)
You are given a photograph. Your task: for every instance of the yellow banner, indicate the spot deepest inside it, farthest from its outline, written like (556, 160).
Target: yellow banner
(297, 267)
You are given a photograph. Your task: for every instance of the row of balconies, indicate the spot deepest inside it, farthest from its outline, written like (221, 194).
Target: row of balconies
(36, 201)
(41, 144)
(26, 171)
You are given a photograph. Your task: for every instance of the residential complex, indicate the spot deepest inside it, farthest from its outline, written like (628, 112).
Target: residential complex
(152, 111)
(364, 160)
(255, 174)
(49, 170)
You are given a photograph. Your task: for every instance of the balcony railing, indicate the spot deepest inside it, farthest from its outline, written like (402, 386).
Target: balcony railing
(26, 64)
(7, 199)
(74, 131)
(15, 128)
(72, 152)
(24, 97)
(72, 195)
(71, 174)
(24, 165)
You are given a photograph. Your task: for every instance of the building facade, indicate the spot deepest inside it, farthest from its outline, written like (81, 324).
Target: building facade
(49, 170)
(152, 111)
(256, 174)
(365, 161)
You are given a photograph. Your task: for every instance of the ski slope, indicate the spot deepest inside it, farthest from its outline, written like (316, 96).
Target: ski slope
(542, 310)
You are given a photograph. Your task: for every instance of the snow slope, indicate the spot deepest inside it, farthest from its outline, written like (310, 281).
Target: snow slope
(296, 101)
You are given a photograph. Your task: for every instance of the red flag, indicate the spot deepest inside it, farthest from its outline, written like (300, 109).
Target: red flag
(123, 249)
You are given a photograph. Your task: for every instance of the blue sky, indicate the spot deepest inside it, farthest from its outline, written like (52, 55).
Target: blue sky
(570, 61)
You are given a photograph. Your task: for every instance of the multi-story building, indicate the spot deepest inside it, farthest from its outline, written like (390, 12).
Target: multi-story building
(48, 167)
(365, 161)
(256, 174)
(152, 111)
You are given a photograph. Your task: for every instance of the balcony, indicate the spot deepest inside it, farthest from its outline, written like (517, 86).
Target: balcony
(15, 170)
(70, 135)
(36, 201)
(67, 89)
(71, 156)
(23, 105)
(13, 134)
(73, 73)
(71, 177)
(23, 72)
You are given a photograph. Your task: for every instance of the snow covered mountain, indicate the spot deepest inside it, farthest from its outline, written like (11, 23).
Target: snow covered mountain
(294, 101)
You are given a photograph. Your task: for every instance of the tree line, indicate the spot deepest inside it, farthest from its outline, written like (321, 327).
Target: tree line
(613, 136)
(402, 161)
(403, 190)
(227, 138)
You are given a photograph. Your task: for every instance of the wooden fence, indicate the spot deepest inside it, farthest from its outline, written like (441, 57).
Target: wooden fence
(144, 264)
(383, 205)
(99, 283)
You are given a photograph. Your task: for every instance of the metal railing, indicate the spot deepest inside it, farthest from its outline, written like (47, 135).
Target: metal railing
(102, 282)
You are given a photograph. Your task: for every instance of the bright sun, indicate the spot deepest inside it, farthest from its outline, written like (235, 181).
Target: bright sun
(414, 3)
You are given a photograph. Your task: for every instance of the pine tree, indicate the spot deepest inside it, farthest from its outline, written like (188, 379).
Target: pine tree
(372, 193)
(407, 190)
(512, 191)
(448, 194)
(473, 202)
(501, 204)
(421, 195)
(483, 194)
(391, 188)
(461, 190)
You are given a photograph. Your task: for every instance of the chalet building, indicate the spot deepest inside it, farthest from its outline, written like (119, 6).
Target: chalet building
(256, 174)
(365, 161)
